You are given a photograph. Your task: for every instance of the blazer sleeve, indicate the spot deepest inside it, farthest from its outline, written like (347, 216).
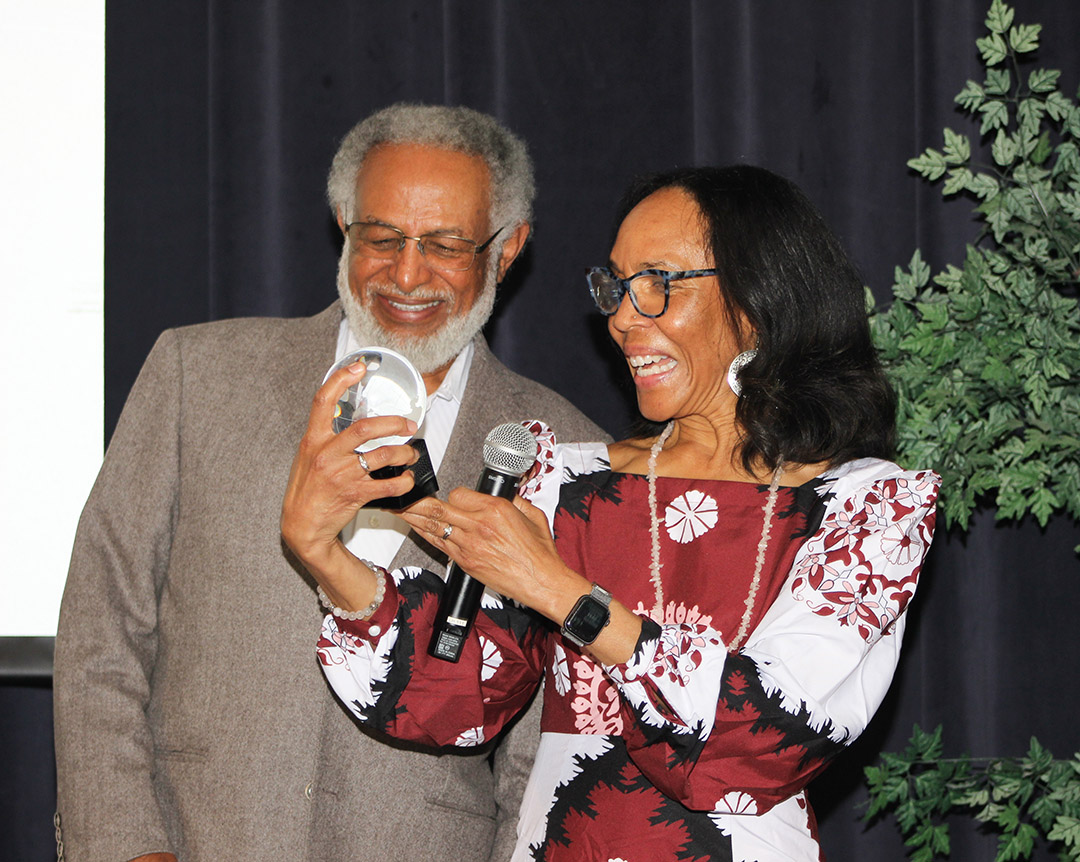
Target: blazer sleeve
(108, 629)
(512, 765)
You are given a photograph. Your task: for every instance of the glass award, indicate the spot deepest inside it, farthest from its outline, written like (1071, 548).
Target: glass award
(391, 387)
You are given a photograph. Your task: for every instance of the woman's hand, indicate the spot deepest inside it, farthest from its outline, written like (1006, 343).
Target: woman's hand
(329, 483)
(506, 545)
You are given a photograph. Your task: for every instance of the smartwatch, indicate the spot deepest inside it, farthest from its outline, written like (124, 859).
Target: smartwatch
(588, 617)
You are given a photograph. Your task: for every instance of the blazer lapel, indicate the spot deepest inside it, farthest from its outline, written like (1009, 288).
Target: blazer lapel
(310, 348)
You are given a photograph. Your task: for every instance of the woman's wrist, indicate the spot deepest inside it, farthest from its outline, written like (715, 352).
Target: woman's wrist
(617, 641)
(562, 594)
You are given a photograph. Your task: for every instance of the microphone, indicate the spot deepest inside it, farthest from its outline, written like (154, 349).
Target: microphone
(509, 451)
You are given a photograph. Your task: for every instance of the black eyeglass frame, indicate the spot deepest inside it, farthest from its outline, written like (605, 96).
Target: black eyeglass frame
(478, 247)
(624, 285)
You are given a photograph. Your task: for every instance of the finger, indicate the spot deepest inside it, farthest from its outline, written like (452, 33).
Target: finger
(321, 418)
(472, 501)
(374, 428)
(533, 513)
(375, 489)
(401, 455)
(431, 507)
(430, 521)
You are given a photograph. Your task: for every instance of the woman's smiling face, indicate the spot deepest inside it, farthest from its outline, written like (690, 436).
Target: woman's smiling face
(679, 360)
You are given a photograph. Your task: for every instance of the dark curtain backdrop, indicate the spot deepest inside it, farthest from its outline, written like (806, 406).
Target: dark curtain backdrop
(222, 118)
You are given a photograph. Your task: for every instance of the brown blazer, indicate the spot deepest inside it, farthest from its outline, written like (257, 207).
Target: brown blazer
(190, 711)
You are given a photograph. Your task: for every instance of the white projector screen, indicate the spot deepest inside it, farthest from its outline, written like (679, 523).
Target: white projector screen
(52, 151)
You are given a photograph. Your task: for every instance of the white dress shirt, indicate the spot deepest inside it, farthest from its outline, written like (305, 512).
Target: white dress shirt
(376, 534)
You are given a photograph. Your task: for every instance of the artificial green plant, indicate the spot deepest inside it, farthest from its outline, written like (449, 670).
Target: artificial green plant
(985, 358)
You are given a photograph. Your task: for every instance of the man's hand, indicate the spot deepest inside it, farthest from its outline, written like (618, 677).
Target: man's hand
(328, 484)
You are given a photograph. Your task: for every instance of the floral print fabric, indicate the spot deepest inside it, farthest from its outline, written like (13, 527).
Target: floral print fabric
(687, 751)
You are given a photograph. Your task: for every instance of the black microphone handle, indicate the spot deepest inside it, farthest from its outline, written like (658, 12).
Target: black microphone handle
(461, 597)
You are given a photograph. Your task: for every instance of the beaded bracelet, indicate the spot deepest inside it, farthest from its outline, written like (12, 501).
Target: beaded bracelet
(380, 591)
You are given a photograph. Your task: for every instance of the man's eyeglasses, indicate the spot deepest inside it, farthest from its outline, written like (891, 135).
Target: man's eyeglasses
(441, 252)
(648, 289)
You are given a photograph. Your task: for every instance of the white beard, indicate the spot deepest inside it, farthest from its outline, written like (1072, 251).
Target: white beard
(431, 352)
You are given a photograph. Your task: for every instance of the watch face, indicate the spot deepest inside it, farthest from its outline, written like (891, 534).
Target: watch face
(587, 619)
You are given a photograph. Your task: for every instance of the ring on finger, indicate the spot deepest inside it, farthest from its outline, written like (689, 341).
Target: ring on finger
(363, 462)
(446, 531)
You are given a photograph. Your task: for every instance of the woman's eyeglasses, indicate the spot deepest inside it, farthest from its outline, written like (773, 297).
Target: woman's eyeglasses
(649, 289)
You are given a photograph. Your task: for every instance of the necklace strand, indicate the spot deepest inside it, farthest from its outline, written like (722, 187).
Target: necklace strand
(654, 535)
(654, 524)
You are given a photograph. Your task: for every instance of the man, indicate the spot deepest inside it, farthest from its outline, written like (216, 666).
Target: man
(192, 720)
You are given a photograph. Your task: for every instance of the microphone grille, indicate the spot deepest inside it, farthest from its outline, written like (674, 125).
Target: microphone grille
(510, 449)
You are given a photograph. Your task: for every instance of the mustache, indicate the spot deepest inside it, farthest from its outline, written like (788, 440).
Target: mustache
(424, 294)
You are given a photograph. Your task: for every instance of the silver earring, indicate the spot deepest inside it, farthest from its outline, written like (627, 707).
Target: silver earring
(737, 365)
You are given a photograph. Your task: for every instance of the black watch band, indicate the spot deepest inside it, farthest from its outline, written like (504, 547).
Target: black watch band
(588, 617)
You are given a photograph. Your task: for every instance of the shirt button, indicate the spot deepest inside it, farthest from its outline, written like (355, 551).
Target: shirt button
(309, 791)
(374, 631)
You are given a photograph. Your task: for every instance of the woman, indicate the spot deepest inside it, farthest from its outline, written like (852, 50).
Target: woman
(720, 610)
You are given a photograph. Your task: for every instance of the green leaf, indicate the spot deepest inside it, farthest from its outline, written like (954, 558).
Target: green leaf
(909, 281)
(1043, 504)
(984, 186)
(1004, 149)
(1030, 112)
(926, 745)
(1068, 159)
(1070, 204)
(1066, 830)
(1009, 818)
(992, 48)
(1024, 38)
(957, 181)
(1039, 757)
(1043, 80)
(999, 18)
(939, 842)
(1044, 811)
(971, 96)
(1072, 120)
(931, 164)
(995, 116)
(997, 371)
(998, 217)
(1058, 106)
(957, 148)
(1042, 150)
(1017, 845)
(975, 798)
(998, 82)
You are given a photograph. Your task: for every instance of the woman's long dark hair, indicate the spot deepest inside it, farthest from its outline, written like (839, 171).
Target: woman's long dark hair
(815, 391)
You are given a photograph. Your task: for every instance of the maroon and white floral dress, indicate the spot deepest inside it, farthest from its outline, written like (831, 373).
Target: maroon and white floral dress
(689, 751)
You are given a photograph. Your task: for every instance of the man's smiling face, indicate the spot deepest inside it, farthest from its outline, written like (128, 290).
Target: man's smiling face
(403, 301)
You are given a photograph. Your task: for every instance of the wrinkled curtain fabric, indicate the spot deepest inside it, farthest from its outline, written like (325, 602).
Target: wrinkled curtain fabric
(222, 118)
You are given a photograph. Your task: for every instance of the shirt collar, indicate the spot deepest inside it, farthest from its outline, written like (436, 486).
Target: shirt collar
(453, 386)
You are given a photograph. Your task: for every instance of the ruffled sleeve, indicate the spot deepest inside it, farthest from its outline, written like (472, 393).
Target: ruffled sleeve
(740, 733)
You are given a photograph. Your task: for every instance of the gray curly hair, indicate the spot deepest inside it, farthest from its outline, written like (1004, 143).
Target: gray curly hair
(453, 128)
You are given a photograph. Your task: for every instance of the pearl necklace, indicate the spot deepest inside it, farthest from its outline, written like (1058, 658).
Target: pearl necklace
(654, 534)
